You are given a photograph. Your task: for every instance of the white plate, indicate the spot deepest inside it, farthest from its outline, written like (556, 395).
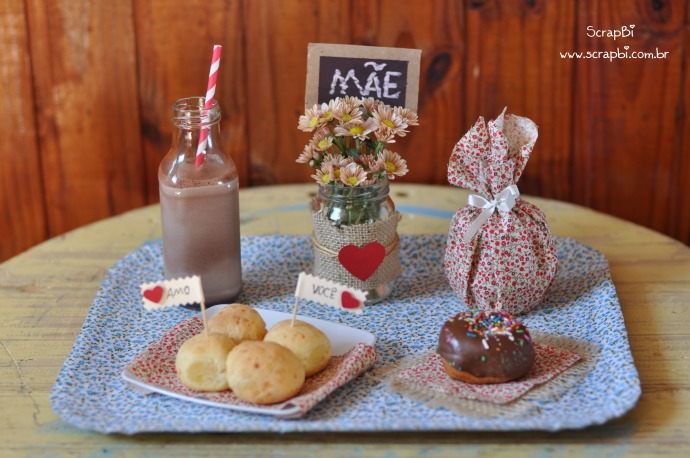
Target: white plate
(343, 339)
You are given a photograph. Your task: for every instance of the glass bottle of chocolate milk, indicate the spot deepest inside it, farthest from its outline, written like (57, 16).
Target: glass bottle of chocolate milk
(200, 205)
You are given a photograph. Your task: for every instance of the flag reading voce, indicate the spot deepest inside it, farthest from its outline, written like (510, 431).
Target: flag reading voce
(329, 293)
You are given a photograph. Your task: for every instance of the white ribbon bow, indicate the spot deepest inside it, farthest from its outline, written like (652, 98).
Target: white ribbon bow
(504, 201)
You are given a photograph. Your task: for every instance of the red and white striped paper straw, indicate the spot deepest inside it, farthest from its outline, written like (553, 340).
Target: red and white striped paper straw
(210, 92)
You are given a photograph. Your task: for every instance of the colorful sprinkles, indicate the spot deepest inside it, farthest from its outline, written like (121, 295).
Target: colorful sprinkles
(486, 324)
(489, 323)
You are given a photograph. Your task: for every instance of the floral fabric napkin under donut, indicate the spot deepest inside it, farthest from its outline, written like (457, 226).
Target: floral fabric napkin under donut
(428, 375)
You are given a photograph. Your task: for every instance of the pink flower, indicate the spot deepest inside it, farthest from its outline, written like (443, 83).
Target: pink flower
(408, 116)
(352, 175)
(348, 114)
(392, 164)
(327, 110)
(309, 121)
(388, 120)
(324, 175)
(385, 135)
(306, 155)
(322, 140)
(356, 130)
(336, 161)
(370, 162)
(370, 104)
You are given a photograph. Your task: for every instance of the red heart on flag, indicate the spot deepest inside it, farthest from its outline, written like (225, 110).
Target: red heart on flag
(362, 262)
(349, 301)
(154, 294)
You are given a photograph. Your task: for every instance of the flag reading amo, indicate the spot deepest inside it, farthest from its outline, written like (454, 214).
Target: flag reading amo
(170, 293)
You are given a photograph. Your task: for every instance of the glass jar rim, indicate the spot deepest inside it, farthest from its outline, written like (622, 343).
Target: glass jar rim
(342, 193)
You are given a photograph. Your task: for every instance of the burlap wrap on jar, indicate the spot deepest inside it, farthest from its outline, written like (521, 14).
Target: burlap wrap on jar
(329, 239)
(500, 253)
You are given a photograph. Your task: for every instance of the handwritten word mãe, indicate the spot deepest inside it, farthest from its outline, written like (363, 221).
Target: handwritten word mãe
(372, 84)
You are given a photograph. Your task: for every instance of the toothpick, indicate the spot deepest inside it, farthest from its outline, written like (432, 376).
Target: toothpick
(294, 312)
(298, 292)
(202, 302)
(203, 315)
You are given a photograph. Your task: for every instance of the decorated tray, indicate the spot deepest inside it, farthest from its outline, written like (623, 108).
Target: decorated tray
(581, 308)
(153, 370)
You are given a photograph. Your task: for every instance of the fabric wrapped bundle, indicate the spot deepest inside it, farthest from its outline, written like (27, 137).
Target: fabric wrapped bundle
(499, 254)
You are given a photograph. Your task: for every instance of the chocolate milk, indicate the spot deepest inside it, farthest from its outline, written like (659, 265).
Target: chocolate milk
(200, 211)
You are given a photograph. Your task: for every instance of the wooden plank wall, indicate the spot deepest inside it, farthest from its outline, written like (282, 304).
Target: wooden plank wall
(85, 91)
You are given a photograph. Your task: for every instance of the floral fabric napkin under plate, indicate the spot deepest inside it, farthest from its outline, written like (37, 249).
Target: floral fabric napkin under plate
(156, 366)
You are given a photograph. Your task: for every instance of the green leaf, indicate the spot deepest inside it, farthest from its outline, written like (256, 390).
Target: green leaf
(353, 152)
(338, 141)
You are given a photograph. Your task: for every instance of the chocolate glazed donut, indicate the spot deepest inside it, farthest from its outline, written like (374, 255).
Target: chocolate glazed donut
(485, 347)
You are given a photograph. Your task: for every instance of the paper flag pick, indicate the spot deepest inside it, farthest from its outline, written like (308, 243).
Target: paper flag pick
(169, 293)
(330, 293)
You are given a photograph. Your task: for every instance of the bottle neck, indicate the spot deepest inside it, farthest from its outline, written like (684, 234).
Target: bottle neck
(189, 119)
(179, 168)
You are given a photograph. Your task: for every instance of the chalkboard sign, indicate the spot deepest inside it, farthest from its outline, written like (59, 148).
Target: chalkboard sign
(387, 74)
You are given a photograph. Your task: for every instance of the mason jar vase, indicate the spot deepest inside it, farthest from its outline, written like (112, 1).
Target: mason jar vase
(359, 215)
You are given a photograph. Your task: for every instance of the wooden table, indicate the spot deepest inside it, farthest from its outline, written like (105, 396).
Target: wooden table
(47, 292)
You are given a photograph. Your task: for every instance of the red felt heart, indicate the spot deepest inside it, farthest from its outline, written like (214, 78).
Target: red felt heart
(349, 301)
(154, 294)
(362, 262)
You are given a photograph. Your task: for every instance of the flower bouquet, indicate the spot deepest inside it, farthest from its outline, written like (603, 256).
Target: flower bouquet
(355, 221)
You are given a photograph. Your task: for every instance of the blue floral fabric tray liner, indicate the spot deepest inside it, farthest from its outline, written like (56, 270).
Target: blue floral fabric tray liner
(581, 304)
